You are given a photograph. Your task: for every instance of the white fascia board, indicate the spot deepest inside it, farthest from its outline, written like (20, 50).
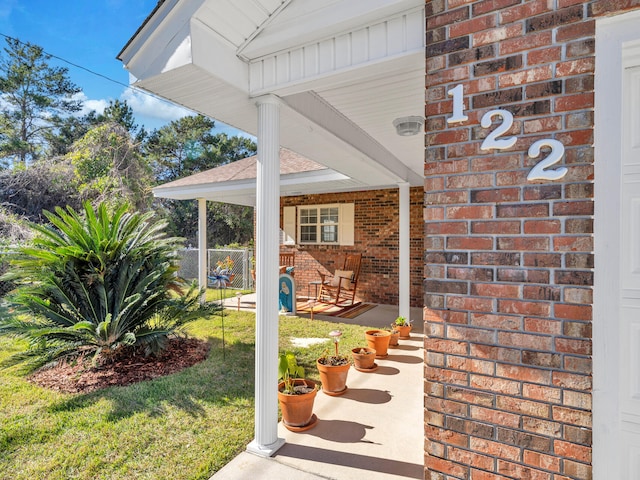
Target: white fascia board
(159, 38)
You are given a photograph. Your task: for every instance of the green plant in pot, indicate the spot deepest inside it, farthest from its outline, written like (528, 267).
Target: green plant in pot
(296, 394)
(333, 369)
(403, 326)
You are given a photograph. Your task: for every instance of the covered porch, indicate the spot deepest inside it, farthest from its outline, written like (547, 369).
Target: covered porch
(340, 83)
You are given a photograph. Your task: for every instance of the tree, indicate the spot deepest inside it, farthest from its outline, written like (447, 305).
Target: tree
(181, 148)
(187, 146)
(97, 283)
(33, 95)
(108, 167)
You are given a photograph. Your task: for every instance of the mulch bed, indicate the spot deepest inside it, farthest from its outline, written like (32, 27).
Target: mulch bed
(82, 377)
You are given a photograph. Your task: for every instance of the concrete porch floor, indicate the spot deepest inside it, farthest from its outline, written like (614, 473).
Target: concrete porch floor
(375, 430)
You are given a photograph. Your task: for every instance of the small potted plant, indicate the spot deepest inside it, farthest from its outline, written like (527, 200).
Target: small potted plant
(364, 359)
(403, 326)
(333, 369)
(379, 341)
(296, 394)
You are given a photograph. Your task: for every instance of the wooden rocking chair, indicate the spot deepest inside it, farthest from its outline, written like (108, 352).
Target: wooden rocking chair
(341, 288)
(288, 262)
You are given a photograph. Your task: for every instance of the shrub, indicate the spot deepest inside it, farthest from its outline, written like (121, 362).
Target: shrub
(95, 284)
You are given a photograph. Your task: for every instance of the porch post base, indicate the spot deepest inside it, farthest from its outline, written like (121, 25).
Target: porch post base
(265, 450)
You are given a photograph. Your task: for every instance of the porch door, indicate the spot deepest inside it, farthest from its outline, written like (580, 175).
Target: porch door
(616, 410)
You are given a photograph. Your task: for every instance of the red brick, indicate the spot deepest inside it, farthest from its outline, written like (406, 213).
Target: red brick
(526, 407)
(544, 55)
(469, 181)
(501, 227)
(540, 325)
(572, 381)
(524, 374)
(574, 102)
(495, 290)
(470, 243)
(446, 228)
(513, 470)
(541, 427)
(576, 30)
(494, 449)
(524, 11)
(496, 35)
(446, 436)
(546, 124)
(497, 417)
(572, 416)
(528, 42)
(573, 312)
(469, 458)
(524, 243)
(540, 460)
(573, 244)
(495, 195)
(446, 466)
(446, 346)
(495, 385)
(570, 345)
(524, 340)
(546, 260)
(469, 212)
(542, 226)
(473, 25)
(542, 393)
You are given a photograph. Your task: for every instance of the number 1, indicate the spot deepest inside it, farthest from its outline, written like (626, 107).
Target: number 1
(458, 105)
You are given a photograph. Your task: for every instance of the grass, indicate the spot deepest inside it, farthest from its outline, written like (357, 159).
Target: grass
(183, 426)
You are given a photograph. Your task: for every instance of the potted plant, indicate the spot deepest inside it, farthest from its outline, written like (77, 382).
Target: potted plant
(364, 359)
(404, 326)
(379, 341)
(333, 369)
(296, 394)
(395, 335)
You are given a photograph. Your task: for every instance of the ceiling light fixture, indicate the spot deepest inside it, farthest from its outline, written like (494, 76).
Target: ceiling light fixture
(406, 126)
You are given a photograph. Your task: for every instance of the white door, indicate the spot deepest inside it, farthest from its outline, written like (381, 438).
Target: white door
(617, 233)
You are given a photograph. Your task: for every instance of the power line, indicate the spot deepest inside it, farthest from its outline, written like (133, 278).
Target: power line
(92, 72)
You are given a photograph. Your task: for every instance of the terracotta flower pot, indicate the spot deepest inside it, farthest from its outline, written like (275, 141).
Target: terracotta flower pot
(393, 340)
(404, 331)
(379, 341)
(333, 378)
(364, 358)
(297, 410)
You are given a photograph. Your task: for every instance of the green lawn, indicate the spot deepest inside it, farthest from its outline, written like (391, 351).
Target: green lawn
(184, 426)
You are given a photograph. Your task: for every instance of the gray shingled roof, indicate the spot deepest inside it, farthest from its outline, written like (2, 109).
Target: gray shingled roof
(245, 169)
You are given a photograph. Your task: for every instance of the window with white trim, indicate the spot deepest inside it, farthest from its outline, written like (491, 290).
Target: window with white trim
(330, 224)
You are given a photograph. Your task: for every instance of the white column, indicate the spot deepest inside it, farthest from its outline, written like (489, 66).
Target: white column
(404, 248)
(266, 440)
(202, 246)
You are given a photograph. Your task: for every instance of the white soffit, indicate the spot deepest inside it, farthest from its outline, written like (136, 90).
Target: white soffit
(363, 60)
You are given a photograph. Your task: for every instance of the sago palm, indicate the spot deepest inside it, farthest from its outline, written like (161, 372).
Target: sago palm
(94, 283)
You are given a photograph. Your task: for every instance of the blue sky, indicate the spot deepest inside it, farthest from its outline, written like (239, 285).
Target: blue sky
(90, 33)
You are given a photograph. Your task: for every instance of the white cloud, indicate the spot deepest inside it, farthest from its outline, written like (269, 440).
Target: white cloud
(144, 105)
(88, 104)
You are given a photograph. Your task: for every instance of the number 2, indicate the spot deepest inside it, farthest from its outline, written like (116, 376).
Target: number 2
(492, 140)
(540, 172)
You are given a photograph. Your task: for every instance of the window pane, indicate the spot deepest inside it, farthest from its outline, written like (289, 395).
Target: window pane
(308, 234)
(329, 233)
(308, 215)
(329, 215)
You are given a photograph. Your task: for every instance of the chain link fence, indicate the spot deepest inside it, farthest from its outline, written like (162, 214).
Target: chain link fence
(241, 270)
(242, 266)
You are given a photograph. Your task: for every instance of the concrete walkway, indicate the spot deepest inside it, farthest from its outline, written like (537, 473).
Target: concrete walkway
(374, 431)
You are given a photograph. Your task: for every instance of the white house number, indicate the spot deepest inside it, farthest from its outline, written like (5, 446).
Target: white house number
(496, 139)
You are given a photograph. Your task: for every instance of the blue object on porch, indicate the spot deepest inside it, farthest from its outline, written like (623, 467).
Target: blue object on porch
(287, 293)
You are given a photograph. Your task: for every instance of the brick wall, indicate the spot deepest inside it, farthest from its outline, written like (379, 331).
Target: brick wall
(376, 237)
(509, 262)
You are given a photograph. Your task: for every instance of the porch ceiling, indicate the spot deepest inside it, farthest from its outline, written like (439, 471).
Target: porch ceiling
(344, 70)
